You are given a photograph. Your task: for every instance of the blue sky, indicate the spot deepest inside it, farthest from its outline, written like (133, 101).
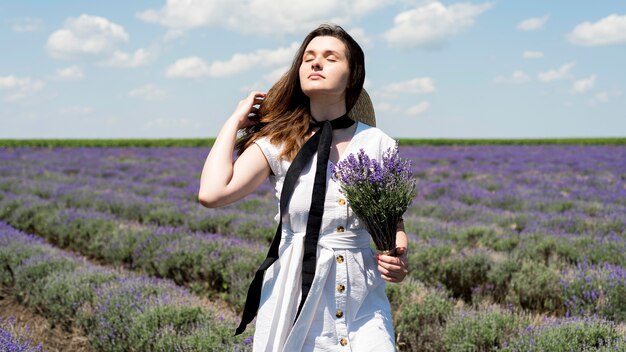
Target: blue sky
(176, 69)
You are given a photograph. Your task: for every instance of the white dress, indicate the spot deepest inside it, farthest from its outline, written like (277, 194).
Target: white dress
(347, 308)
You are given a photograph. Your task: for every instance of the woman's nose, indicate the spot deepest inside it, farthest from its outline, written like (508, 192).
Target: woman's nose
(316, 65)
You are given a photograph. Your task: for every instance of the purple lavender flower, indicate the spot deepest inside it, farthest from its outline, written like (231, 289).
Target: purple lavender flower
(379, 192)
(16, 339)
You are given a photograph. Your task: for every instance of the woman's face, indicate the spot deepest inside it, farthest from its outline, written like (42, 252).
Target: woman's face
(324, 70)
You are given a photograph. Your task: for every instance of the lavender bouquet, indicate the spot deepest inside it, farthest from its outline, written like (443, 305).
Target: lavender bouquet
(378, 192)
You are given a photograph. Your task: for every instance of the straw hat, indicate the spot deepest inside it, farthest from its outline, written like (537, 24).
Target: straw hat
(363, 110)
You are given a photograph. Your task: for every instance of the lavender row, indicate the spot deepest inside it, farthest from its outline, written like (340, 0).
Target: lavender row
(174, 253)
(427, 319)
(530, 279)
(588, 181)
(145, 165)
(207, 263)
(553, 216)
(511, 225)
(497, 179)
(115, 310)
(14, 338)
(539, 248)
(240, 221)
(502, 234)
(121, 313)
(171, 173)
(470, 274)
(579, 219)
(237, 220)
(583, 172)
(170, 188)
(500, 179)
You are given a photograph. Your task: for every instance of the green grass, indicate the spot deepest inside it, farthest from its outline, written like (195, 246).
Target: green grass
(205, 142)
(51, 143)
(520, 141)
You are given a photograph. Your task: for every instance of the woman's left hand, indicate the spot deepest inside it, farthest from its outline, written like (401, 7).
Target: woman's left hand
(394, 269)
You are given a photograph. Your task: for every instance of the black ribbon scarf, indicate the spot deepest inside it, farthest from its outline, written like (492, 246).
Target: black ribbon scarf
(319, 143)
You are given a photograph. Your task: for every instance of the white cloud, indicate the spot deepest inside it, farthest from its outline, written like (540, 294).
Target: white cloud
(188, 13)
(260, 86)
(189, 67)
(361, 37)
(76, 110)
(85, 36)
(603, 97)
(419, 85)
(418, 109)
(533, 24)
(194, 67)
(121, 59)
(10, 82)
(27, 24)
(532, 54)
(72, 72)
(387, 107)
(553, 75)
(18, 88)
(363, 7)
(273, 76)
(583, 85)
(256, 16)
(268, 80)
(173, 34)
(148, 92)
(97, 38)
(263, 57)
(609, 30)
(432, 24)
(517, 77)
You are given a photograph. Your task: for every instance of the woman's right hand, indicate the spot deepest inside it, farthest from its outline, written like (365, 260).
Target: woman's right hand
(247, 106)
(223, 181)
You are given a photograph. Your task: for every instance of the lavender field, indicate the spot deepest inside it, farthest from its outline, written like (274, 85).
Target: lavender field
(513, 248)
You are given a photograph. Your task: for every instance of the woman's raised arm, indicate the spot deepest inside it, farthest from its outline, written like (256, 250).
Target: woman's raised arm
(224, 181)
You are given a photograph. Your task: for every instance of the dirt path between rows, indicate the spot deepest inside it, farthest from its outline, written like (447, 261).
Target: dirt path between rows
(52, 340)
(57, 340)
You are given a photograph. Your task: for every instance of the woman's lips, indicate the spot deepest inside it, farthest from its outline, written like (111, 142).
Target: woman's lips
(315, 76)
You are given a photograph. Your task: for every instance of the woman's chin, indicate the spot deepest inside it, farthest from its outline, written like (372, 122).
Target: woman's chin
(321, 92)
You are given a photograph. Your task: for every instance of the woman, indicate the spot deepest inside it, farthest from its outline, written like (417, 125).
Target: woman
(321, 288)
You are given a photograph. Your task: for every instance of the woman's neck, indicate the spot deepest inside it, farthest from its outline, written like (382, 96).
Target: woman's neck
(323, 109)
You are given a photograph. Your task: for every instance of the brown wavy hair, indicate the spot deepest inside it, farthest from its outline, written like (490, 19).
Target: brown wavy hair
(284, 115)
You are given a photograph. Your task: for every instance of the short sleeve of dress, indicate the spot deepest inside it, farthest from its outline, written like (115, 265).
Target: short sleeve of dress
(271, 153)
(386, 143)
